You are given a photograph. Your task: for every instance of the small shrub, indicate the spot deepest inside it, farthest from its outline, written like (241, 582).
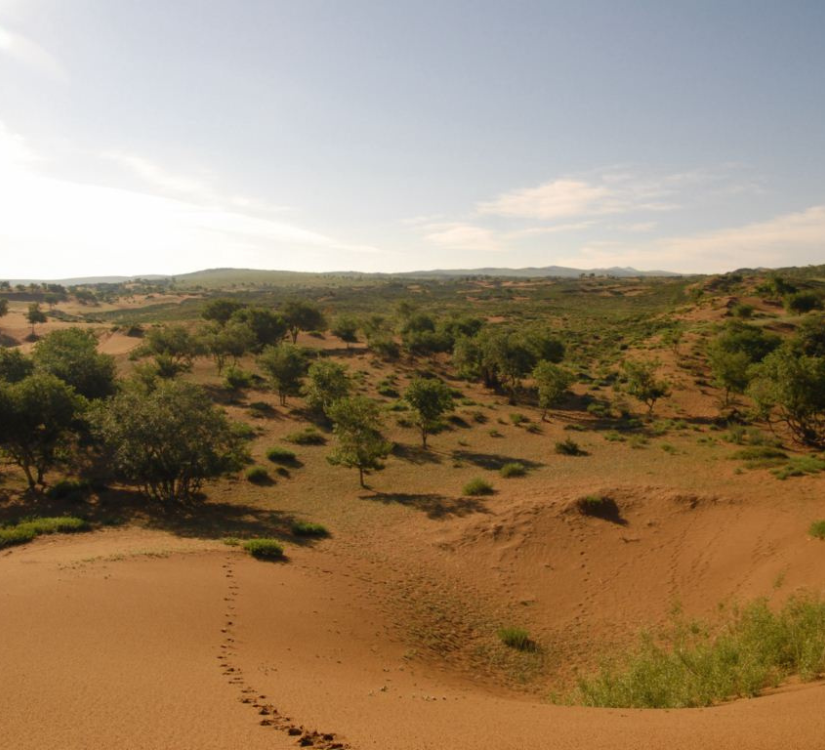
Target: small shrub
(533, 429)
(282, 471)
(598, 506)
(304, 528)
(72, 490)
(265, 549)
(668, 448)
(517, 638)
(637, 442)
(15, 535)
(817, 529)
(478, 486)
(261, 409)
(231, 541)
(386, 389)
(237, 379)
(614, 437)
(307, 436)
(280, 455)
(258, 475)
(495, 433)
(761, 456)
(518, 419)
(513, 469)
(569, 447)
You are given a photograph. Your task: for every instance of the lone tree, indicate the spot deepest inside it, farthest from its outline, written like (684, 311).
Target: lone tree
(301, 315)
(35, 315)
(37, 415)
(789, 387)
(72, 356)
(168, 441)
(361, 445)
(429, 400)
(328, 383)
(552, 382)
(221, 310)
(285, 366)
(642, 383)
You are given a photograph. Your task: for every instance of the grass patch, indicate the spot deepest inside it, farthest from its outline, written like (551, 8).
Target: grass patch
(478, 486)
(280, 455)
(569, 447)
(761, 456)
(517, 638)
(817, 529)
(799, 466)
(513, 469)
(258, 475)
(307, 529)
(27, 530)
(690, 665)
(265, 549)
(307, 436)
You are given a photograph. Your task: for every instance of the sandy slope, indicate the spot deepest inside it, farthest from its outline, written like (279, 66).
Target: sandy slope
(136, 639)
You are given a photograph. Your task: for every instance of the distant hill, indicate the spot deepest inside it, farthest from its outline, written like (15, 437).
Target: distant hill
(88, 280)
(545, 271)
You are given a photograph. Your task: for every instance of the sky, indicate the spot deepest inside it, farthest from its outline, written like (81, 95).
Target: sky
(162, 137)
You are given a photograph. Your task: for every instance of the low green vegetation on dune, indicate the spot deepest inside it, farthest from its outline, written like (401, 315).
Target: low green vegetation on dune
(25, 531)
(693, 665)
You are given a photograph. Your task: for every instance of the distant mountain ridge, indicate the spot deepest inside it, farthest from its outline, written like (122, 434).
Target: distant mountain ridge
(250, 273)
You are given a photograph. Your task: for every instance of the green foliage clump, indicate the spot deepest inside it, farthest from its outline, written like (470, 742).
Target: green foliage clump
(258, 475)
(477, 487)
(643, 384)
(307, 529)
(552, 382)
(70, 490)
(71, 355)
(360, 443)
(236, 379)
(569, 447)
(280, 455)
(513, 469)
(307, 436)
(517, 638)
(817, 529)
(27, 530)
(761, 456)
(265, 549)
(691, 665)
(328, 383)
(285, 367)
(429, 399)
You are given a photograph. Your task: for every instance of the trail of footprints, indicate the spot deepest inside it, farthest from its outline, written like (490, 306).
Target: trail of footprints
(270, 717)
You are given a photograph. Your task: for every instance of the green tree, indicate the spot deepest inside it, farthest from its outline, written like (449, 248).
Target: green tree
(172, 347)
(328, 382)
(429, 400)
(14, 365)
(552, 382)
(71, 355)
(220, 310)
(168, 441)
(643, 384)
(301, 315)
(4, 307)
(357, 428)
(345, 328)
(268, 326)
(229, 341)
(35, 315)
(789, 387)
(285, 366)
(37, 415)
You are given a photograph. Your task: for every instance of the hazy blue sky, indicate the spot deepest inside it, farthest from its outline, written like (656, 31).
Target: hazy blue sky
(162, 136)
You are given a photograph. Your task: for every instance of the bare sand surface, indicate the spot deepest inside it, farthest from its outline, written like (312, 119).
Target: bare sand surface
(139, 639)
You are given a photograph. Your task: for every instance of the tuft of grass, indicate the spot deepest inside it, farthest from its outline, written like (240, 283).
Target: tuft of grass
(533, 429)
(518, 419)
(231, 541)
(305, 528)
(517, 638)
(799, 466)
(569, 447)
(258, 475)
(307, 436)
(691, 665)
(494, 433)
(27, 530)
(598, 506)
(265, 549)
(817, 529)
(478, 486)
(513, 469)
(280, 455)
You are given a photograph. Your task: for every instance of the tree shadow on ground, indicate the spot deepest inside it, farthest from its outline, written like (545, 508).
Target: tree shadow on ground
(436, 506)
(492, 461)
(195, 520)
(415, 454)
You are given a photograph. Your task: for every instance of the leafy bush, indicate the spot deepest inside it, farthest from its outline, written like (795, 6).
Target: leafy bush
(478, 486)
(518, 419)
(304, 528)
(15, 535)
(307, 436)
(817, 529)
(280, 455)
(691, 666)
(27, 530)
(265, 549)
(517, 638)
(513, 469)
(799, 466)
(494, 433)
(569, 447)
(236, 379)
(258, 475)
(71, 490)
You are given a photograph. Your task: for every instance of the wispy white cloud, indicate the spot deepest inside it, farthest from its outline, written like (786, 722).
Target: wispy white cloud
(551, 200)
(638, 226)
(460, 236)
(69, 227)
(29, 53)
